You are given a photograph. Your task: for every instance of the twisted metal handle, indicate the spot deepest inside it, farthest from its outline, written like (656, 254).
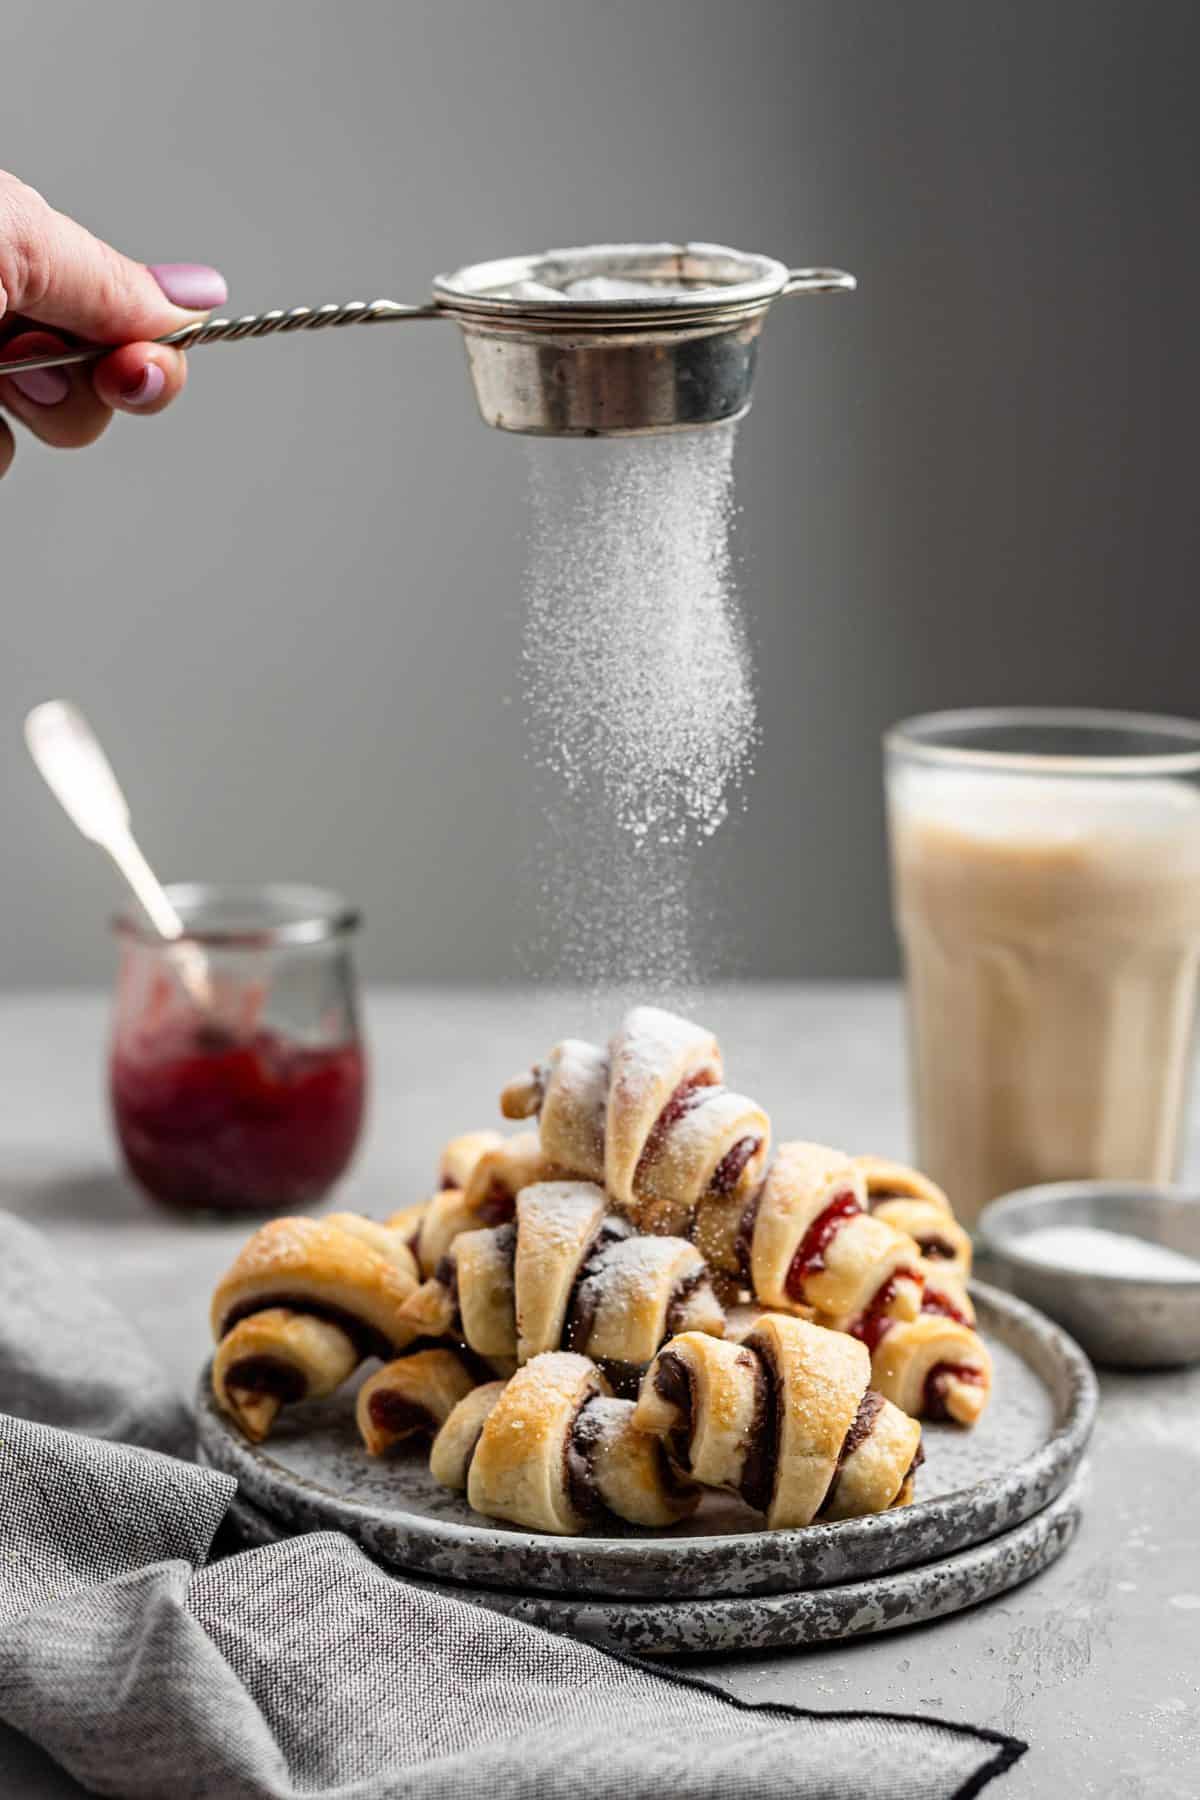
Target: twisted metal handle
(251, 325)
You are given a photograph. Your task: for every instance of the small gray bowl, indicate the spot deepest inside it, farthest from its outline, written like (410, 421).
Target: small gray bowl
(1124, 1321)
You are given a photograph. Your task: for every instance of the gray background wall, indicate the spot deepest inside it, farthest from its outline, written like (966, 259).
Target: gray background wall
(293, 605)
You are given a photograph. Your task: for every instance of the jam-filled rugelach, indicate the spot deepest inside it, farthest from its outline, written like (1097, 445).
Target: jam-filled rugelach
(935, 1366)
(905, 1198)
(806, 1243)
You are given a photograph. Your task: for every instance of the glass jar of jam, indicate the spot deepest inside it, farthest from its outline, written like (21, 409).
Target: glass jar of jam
(237, 1072)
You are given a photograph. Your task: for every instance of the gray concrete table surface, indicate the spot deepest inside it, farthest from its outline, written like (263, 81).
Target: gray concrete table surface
(1096, 1663)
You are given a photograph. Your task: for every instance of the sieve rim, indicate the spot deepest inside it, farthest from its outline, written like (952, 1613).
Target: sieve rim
(471, 292)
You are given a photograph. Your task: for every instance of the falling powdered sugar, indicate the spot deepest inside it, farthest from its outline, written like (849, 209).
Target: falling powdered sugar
(638, 675)
(638, 691)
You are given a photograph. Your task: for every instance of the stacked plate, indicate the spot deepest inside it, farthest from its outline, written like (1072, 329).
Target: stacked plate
(995, 1506)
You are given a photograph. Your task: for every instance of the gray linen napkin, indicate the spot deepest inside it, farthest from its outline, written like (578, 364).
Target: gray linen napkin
(66, 1358)
(302, 1669)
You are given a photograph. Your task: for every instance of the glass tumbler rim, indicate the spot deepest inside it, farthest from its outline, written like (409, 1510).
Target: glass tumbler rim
(247, 916)
(917, 740)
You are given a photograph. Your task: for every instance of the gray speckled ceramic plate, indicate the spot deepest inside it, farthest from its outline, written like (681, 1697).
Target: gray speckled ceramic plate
(313, 1474)
(774, 1621)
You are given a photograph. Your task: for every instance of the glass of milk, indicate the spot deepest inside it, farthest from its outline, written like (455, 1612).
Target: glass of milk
(1046, 883)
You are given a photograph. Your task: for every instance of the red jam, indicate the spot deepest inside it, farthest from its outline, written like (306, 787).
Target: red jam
(210, 1121)
(873, 1324)
(689, 1094)
(942, 1304)
(933, 1403)
(810, 1256)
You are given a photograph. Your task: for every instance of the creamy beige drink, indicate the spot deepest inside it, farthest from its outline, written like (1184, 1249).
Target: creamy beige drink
(1050, 922)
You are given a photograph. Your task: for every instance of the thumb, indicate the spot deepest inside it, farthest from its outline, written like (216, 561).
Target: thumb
(55, 272)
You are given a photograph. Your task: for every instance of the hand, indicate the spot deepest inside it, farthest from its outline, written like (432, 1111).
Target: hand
(55, 277)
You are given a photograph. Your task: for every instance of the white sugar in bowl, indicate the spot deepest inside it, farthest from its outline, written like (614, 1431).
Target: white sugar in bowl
(1116, 1263)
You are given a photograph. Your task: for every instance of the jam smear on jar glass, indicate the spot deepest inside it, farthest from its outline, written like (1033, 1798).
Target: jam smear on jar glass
(254, 1103)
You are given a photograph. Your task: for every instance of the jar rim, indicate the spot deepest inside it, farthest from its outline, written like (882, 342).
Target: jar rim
(929, 738)
(247, 915)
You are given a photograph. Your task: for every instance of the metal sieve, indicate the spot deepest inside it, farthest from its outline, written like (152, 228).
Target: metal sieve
(612, 340)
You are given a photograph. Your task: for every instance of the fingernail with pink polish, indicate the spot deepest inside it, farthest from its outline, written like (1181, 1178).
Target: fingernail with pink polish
(45, 387)
(145, 391)
(193, 285)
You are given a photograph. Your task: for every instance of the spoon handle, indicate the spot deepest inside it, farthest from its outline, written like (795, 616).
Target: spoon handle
(252, 325)
(71, 761)
(126, 852)
(188, 957)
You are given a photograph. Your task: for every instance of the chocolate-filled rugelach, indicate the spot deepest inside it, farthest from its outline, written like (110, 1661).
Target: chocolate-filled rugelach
(303, 1303)
(492, 1170)
(412, 1397)
(479, 1177)
(647, 1118)
(551, 1450)
(566, 1274)
(786, 1419)
(461, 1156)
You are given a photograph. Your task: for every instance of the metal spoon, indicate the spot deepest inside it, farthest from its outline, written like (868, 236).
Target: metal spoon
(79, 775)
